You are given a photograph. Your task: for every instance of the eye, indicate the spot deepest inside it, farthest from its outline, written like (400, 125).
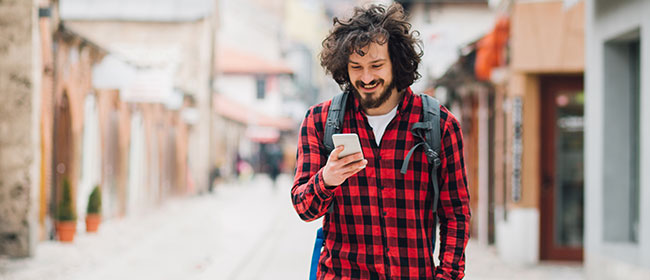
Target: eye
(355, 67)
(377, 65)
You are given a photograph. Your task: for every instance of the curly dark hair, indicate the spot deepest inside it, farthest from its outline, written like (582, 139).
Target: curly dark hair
(374, 24)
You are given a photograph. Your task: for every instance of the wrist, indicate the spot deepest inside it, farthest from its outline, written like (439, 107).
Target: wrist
(320, 188)
(326, 183)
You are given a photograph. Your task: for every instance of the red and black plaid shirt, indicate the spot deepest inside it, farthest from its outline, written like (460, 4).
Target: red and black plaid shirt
(381, 225)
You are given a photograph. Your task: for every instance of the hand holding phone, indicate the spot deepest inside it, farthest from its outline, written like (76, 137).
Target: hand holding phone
(350, 143)
(344, 161)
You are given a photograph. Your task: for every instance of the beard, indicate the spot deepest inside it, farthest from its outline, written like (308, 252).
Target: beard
(369, 102)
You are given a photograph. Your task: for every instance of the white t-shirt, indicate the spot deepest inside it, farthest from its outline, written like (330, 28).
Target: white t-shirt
(379, 123)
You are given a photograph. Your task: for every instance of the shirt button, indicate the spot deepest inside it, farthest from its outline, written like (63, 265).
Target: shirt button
(384, 213)
(387, 250)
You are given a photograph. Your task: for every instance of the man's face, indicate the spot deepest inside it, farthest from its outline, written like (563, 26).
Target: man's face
(371, 75)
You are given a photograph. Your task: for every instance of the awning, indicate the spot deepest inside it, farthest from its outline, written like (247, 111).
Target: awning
(248, 115)
(491, 49)
(232, 61)
(262, 134)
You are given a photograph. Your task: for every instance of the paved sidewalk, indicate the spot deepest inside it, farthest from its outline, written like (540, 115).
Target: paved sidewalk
(484, 264)
(243, 231)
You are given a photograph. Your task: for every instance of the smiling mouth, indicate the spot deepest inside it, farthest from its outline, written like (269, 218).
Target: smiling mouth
(369, 87)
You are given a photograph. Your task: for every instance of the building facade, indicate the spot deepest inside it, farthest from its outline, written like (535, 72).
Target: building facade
(560, 127)
(447, 29)
(617, 200)
(541, 214)
(259, 89)
(76, 111)
(20, 90)
(518, 91)
(177, 43)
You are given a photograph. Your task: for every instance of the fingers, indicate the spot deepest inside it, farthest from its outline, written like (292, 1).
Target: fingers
(351, 158)
(347, 160)
(354, 167)
(338, 170)
(334, 155)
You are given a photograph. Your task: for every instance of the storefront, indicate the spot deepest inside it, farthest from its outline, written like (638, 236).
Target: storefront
(539, 193)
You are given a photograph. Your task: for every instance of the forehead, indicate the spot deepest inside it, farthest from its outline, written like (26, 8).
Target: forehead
(372, 52)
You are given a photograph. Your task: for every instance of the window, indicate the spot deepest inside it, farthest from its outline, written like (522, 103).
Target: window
(261, 87)
(635, 139)
(622, 138)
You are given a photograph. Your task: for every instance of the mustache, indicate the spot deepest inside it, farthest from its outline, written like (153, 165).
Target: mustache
(359, 83)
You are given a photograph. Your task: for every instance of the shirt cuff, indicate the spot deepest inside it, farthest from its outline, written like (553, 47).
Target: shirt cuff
(324, 192)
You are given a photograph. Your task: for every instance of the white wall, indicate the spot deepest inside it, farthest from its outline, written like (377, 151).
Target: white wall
(607, 20)
(517, 239)
(136, 184)
(91, 159)
(183, 46)
(243, 89)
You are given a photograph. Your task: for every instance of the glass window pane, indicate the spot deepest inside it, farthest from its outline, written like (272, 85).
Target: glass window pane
(569, 169)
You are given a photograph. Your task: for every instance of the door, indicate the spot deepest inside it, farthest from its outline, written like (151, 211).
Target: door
(62, 159)
(562, 196)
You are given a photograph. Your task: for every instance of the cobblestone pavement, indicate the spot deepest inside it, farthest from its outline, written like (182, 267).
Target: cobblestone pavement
(242, 231)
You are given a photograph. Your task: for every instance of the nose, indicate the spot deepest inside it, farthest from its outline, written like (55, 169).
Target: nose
(367, 77)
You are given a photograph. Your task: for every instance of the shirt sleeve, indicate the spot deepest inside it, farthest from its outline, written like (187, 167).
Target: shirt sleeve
(454, 210)
(310, 197)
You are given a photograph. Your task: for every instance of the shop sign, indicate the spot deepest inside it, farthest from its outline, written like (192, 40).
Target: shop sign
(517, 148)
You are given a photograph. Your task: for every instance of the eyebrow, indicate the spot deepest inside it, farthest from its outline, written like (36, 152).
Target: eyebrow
(374, 61)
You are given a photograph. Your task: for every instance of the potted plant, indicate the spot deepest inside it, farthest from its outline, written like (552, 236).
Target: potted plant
(93, 212)
(66, 217)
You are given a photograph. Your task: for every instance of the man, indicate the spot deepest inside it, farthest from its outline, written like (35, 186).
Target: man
(379, 223)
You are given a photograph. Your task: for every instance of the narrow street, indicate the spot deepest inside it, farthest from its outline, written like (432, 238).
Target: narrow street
(242, 231)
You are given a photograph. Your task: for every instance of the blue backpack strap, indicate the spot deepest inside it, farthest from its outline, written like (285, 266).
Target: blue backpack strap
(335, 116)
(315, 256)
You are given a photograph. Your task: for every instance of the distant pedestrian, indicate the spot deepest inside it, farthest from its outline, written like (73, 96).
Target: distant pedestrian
(245, 170)
(274, 160)
(215, 175)
(379, 223)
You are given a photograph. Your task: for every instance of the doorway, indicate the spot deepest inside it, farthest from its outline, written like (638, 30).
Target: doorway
(562, 150)
(62, 158)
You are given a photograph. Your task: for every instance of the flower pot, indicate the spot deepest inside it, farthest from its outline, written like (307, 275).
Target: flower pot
(92, 222)
(66, 230)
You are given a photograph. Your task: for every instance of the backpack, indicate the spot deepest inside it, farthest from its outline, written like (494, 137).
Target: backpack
(427, 130)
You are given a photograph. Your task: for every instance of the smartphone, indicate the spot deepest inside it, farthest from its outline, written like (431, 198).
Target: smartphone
(350, 142)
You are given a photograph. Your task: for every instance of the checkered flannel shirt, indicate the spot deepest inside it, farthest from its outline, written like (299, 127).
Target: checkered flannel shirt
(381, 225)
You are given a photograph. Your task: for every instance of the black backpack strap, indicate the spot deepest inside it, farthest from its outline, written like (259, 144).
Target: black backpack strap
(430, 140)
(432, 117)
(334, 122)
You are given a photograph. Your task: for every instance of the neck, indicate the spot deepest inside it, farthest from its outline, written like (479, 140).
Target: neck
(393, 100)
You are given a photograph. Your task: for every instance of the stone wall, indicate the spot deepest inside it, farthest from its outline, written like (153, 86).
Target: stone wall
(18, 126)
